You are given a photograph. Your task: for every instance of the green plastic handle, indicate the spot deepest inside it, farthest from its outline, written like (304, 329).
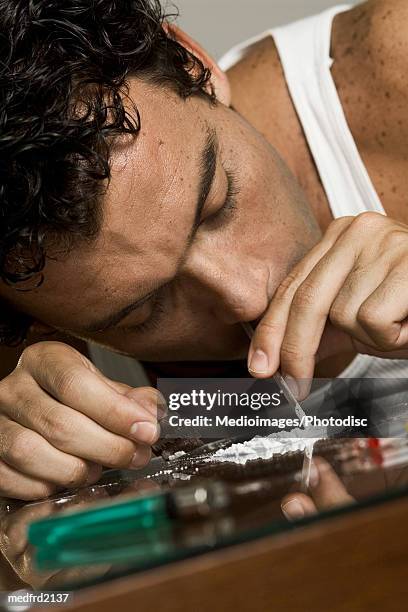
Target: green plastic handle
(131, 515)
(150, 546)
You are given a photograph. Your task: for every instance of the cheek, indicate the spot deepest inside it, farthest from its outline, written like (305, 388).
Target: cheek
(276, 223)
(270, 191)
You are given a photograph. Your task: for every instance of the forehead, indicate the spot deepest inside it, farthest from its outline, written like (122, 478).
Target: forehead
(154, 183)
(147, 210)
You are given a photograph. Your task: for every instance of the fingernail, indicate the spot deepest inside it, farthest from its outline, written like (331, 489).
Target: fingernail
(314, 476)
(293, 510)
(136, 462)
(145, 432)
(292, 384)
(156, 406)
(259, 362)
(304, 385)
(94, 474)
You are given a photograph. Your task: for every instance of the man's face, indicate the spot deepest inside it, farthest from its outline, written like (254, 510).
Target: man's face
(201, 222)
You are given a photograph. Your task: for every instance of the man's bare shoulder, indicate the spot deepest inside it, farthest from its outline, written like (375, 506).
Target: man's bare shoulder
(387, 31)
(259, 90)
(372, 41)
(249, 77)
(370, 51)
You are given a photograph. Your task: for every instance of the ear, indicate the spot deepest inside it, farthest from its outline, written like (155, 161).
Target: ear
(219, 79)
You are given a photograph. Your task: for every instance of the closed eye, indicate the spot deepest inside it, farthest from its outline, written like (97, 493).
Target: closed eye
(230, 201)
(153, 320)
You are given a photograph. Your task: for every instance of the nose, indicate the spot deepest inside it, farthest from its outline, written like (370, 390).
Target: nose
(232, 291)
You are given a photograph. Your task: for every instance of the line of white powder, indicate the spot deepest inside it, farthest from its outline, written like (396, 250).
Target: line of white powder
(266, 447)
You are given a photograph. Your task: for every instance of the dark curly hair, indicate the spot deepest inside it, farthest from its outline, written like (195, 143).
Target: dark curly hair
(64, 66)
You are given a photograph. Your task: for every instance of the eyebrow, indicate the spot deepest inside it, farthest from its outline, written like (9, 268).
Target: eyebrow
(207, 171)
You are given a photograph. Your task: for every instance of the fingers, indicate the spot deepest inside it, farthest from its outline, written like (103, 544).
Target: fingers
(355, 278)
(28, 453)
(74, 433)
(326, 492)
(383, 315)
(151, 399)
(265, 351)
(61, 420)
(296, 506)
(310, 309)
(14, 529)
(73, 382)
(19, 486)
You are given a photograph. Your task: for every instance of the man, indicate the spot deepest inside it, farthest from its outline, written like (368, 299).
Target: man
(163, 216)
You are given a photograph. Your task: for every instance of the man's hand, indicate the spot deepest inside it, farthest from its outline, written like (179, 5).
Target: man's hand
(61, 420)
(326, 492)
(355, 279)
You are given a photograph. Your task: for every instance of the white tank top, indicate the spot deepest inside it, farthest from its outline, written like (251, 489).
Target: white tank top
(304, 50)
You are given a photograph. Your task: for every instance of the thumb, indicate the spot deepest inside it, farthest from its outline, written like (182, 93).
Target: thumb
(151, 398)
(147, 397)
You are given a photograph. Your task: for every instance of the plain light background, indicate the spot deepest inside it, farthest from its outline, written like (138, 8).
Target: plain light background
(219, 24)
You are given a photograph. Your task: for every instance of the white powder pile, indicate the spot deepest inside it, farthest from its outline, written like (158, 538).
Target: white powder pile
(177, 455)
(266, 447)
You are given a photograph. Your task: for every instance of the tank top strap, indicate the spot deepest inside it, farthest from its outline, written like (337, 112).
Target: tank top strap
(304, 50)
